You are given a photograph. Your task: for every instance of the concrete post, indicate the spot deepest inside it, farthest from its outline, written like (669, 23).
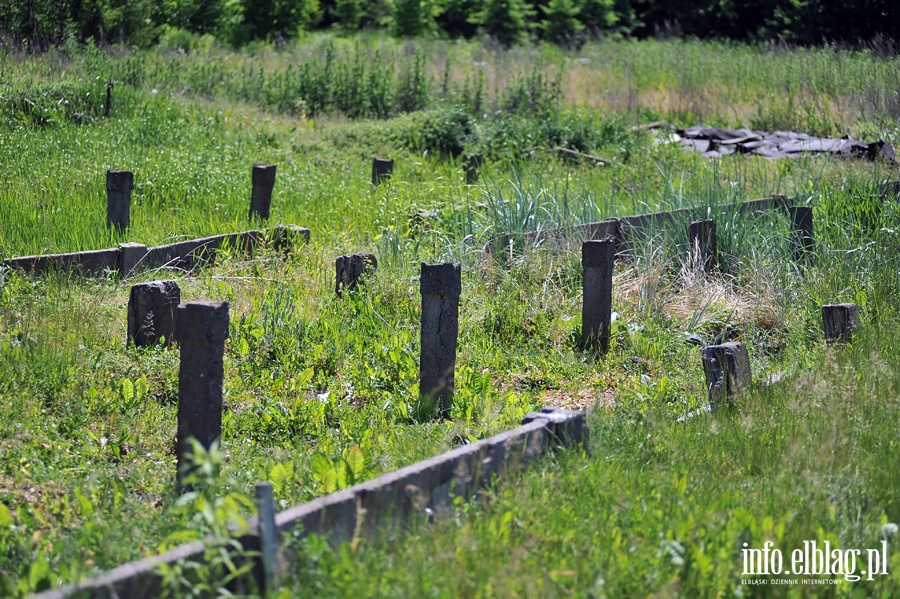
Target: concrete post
(350, 268)
(289, 236)
(108, 107)
(727, 370)
(597, 259)
(130, 255)
(702, 235)
(802, 238)
(440, 285)
(472, 168)
(263, 179)
(151, 312)
(118, 198)
(268, 536)
(839, 322)
(382, 169)
(201, 329)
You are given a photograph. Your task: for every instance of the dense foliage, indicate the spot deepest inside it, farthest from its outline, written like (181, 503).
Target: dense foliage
(39, 24)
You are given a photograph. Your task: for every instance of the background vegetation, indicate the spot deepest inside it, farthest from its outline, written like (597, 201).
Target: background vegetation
(39, 24)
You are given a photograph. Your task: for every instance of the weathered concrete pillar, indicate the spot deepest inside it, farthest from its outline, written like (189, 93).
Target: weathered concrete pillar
(802, 238)
(151, 312)
(268, 536)
(263, 179)
(201, 329)
(382, 169)
(130, 255)
(118, 198)
(839, 322)
(727, 370)
(597, 260)
(440, 285)
(350, 268)
(472, 168)
(702, 236)
(108, 107)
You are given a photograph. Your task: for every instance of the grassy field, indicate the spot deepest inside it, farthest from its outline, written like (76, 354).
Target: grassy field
(657, 507)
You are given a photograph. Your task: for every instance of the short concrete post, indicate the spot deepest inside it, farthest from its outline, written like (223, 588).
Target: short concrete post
(727, 370)
(597, 259)
(802, 238)
(287, 237)
(350, 268)
(839, 322)
(382, 169)
(118, 198)
(472, 168)
(268, 536)
(130, 255)
(440, 285)
(151, 312)
(263, 179)
(702, 236)
(201, 329)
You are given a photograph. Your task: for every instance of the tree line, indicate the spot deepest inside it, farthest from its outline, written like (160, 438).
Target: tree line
(36, 25)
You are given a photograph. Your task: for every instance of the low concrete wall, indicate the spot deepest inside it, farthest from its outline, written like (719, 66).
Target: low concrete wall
(369, 509)
(93, 262)
(132, 257)
(629, 229)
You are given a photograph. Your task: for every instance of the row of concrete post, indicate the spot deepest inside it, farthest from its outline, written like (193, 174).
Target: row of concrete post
(156, 314)
(120, 183)
(383, 169)
(202, 327)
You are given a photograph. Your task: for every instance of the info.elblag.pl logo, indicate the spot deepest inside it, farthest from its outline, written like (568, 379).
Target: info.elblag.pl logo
(815, 559)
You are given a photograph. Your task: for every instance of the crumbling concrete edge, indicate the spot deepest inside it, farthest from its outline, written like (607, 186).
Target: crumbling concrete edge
(419, 491)
(129, 258)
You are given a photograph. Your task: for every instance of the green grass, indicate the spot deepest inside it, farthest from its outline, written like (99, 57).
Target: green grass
(87, 424)
(663, 507)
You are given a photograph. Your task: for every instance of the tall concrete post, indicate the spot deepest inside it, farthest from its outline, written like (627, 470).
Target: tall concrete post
(382, 169)
(201, 329)
(472, 168)
(440, 285)
(597, 260)
(702, 235)
(263, 180)
(802, 238)
(151, 312)
(118, 198)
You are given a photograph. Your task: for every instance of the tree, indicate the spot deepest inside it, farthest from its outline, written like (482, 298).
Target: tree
(603, 15)
(267, 19)
(454, 19)
(505, 20)
(414, 17)
(348, 13)
(561, 22)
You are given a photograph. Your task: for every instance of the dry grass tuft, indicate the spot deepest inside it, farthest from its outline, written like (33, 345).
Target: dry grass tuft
(695, 298)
